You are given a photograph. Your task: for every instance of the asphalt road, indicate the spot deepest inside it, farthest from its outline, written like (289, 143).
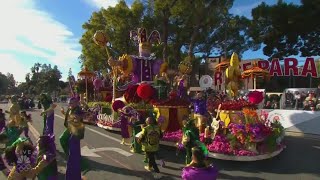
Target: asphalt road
(299, 161)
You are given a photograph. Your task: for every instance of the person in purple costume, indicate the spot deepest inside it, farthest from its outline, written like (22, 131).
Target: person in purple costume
(198, 169)
(200, 110)
(71, 137)
(48, 114)
(125, 114)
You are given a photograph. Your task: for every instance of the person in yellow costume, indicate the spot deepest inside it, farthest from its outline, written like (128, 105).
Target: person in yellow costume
(14, 111)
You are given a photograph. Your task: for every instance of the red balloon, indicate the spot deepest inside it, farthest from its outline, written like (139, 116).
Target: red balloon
(145, 91)
(97, 83)
(255, 97)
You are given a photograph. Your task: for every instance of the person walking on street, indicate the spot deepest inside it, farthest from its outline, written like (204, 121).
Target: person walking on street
(150, 138)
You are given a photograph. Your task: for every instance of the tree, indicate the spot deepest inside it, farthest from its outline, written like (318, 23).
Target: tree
(116, 22)
(11, 83)
(287, 29)
(43, 78)
(4, 83)
(186, 28)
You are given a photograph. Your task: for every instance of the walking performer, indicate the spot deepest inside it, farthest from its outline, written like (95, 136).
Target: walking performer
(21, 155)
(24, 123)
(190, 137)
(14, 110)
(46, 168)
(70, 139)
(136, 128)
(47, 114)
(125, 114)
(150, 138)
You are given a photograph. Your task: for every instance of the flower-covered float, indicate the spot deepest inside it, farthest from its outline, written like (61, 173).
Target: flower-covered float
(238, 131)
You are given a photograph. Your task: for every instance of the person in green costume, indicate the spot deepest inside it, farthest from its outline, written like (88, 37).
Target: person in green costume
(190, 138)
(136, 126)
(73, 110)
(12, 132)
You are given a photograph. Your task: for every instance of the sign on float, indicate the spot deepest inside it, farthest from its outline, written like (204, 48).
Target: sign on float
(290, 67)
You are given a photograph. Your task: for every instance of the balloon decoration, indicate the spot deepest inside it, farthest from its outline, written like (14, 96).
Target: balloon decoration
(100, 38)
(116, 105)
(145, 91)
(97, 83)
(255, 97)
(185, 67)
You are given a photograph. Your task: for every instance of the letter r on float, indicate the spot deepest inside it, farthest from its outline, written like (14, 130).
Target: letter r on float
(217, 77)
(309, 68)
(293, 66)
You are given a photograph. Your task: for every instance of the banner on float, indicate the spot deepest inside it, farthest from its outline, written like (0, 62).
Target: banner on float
(290, 67)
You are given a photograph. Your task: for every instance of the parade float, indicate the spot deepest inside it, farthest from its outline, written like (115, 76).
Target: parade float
(138, 71)
(239, 131)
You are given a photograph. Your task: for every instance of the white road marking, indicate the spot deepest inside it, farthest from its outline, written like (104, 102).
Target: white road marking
(86, 151)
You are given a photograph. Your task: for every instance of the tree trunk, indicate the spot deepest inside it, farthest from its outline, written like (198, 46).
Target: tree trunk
(193, 39)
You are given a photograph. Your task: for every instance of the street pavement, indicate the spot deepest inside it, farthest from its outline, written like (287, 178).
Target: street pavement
(111, 160)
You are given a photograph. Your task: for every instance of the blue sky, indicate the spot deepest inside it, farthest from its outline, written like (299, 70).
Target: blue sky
(48, 31)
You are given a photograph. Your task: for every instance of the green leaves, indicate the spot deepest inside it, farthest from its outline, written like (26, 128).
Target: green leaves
(287, 29)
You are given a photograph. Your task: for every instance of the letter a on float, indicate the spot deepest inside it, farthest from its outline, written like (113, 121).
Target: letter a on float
(309, 68)
(275, 68)
(293, 66)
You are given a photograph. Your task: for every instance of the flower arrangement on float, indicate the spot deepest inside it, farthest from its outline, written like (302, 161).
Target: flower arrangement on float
(249, 134)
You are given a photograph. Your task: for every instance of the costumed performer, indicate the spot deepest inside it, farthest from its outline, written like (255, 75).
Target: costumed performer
(25, 118)
(198, 168)
(136, 127)
(150, 138)
(190, 137)
(70, 139)
(125, 114)
(12, 131)
(182, 84)
(48, 114)
(200, 110)
(14, 110)
(46, 168)
(21, 155)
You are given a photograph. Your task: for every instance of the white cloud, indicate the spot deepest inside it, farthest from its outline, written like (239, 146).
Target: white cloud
(9, 64)
(26, 29)
(102, 3)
